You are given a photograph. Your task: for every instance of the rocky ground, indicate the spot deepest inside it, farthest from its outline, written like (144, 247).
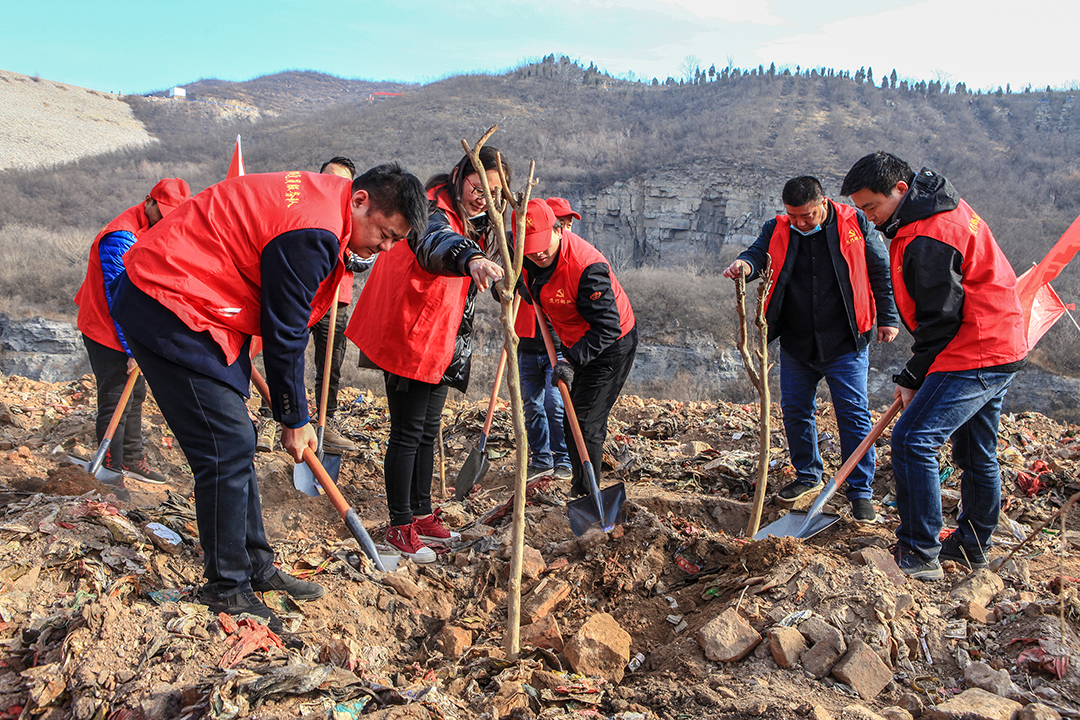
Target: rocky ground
(674, 614)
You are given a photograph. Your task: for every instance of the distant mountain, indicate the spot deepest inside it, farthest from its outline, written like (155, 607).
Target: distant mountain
(294, 91)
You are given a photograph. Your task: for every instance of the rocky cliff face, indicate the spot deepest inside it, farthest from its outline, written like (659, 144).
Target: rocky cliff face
(680, 216)
(41, 349)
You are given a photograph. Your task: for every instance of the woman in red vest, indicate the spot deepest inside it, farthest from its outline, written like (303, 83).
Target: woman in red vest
(413, 320)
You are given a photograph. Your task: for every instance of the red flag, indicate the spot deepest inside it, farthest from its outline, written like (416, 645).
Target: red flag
(1029, 285)
(1046, 308)
(236, 167)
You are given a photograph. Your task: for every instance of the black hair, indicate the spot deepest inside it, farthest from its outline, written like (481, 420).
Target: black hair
(455, 181)
(802, 190)
(392, 191)
(343, 162)
(877, 172)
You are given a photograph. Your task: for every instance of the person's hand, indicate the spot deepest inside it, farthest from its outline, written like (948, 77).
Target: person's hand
(904, 395)
(887, 334)
(131, 365)
(737, 268)
(294, 440)
(563, 371)
(484, 272)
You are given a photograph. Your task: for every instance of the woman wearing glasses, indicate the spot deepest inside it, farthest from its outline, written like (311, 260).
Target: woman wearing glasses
(414, 321)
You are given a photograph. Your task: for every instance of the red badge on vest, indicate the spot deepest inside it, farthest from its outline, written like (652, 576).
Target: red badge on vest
(595, 295)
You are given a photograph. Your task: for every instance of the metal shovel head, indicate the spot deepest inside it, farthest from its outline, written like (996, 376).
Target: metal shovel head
(104, 474)
(473, 471)
(794, 525)
(584, 514)
(304, 480)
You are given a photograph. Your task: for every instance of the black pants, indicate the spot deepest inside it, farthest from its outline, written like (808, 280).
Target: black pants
(319, 333)
(110, 372)
(415, 410)
(210, 420)
(594, 392)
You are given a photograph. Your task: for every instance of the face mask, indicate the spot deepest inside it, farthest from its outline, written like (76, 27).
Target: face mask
(809, 232)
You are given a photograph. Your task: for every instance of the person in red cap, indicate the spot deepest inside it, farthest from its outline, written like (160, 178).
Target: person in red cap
(110, 357)
(413, 320)
(542, 401)
(256, 255)
(578, 292)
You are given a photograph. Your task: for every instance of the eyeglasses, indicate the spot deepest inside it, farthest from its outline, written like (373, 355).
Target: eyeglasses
(478, 190)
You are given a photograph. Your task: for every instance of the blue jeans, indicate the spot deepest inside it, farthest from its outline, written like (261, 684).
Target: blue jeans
(543, 411)
(965, 405)
(846, 376)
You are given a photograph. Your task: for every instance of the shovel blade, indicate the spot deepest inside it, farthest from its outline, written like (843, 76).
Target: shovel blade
(795, 525)
(104, 474)
(473, 471)
(583, 512)
(304, 480)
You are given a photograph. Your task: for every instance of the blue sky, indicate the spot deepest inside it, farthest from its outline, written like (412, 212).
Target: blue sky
(133, 47)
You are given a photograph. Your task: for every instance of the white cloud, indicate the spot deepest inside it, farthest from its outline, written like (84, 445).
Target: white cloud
(964, 40)
(738, 11)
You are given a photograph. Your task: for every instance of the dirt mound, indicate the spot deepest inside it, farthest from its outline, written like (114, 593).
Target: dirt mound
(97, 615)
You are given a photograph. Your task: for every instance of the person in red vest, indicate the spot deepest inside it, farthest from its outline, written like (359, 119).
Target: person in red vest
(256, 255)
(830, 284)
(578, 292)
(542, 401)
(956, 293)
(413, 320)
(343, 167)
(109, 355)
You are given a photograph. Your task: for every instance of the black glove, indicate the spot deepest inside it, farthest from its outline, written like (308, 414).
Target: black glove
(356, 264)
(563, 371)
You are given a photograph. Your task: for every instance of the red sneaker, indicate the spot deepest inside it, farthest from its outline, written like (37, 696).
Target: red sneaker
(431, 529)
(404, 538)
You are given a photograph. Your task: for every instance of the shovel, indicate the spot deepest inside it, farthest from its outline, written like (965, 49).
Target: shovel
(352, 520)
(805, 525)
(600, 508)
(303, 480)
(477, 463)
(94, 467)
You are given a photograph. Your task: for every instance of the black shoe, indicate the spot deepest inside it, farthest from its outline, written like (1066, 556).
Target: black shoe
(862, 509)
(918, 569)
(534, 470)
(144, 473)
(296, 588)
(969, 556)
(244, 602)
(795, 490)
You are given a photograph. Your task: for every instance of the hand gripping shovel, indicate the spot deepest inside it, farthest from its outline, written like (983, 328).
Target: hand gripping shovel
(805, 525)
(477, 463)
(352, 520)
(94, 467)
(603, 508)
(303, 480)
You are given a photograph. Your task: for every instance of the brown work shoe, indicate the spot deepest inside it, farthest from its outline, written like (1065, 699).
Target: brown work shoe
(267, 436)
(336, 441)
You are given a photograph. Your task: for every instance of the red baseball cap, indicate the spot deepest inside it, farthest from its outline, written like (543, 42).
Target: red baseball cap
(561, 207)
(539, 219)
(170, 194)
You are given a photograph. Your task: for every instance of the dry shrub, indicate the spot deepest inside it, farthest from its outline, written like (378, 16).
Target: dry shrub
(42, 269)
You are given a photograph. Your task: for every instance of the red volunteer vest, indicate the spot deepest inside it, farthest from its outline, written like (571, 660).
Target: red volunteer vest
(406, 319)
(852, 249)
(559, 296)
(94, 320)
(203, 261)
(992, 330)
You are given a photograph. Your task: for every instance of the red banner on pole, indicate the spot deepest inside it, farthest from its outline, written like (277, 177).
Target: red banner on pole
(1041, 305)
(236, 167)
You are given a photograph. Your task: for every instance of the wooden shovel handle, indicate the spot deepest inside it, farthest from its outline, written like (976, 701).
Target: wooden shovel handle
(875, 433)
(575, 427)
(129, 386)
(327, 483)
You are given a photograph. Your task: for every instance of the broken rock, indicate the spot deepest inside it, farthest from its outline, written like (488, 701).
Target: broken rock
(975, 704)
(455, 640)
(600, 647)
(979, 587)
(787, 645)
(728, 637)
(544, 633)
(544, 599)
(863, 671)
(980, 675)
(1038, 711)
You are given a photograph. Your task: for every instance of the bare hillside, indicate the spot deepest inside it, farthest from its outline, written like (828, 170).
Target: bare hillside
(45, 123)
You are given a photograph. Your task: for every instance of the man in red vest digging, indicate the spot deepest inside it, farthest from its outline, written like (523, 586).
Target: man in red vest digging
(253, 255)
(830, 284)
(956, 293)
